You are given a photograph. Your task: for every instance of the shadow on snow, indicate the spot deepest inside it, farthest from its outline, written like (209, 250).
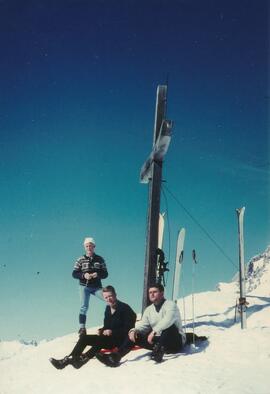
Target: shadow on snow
(229, 322)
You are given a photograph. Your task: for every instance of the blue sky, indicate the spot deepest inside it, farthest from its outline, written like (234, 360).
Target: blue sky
(78, 85)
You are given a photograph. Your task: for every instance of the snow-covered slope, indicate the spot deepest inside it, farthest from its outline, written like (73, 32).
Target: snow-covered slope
(234, 361)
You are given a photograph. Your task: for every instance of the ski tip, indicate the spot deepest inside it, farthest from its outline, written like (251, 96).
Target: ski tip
(182, 230)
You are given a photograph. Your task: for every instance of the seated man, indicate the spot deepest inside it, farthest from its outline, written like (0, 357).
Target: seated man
(160, 330)
(119, 318)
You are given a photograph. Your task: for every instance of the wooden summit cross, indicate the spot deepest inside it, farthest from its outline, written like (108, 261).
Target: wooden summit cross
(151, 173)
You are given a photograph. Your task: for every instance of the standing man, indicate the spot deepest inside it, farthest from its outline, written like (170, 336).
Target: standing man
(119, 318)
(89, 269)
(159, 330)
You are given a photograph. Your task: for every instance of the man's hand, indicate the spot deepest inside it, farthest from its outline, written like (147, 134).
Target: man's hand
(151, 337)
(88, 276)
(100, 331)
(107, 333)
(132, 335)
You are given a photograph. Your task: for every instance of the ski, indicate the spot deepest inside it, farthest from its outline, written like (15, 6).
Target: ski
(160, 230)
(178, 263)
(194, 258)
(242, 300)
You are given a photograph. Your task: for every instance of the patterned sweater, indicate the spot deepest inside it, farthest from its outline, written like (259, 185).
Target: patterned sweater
(86, 264)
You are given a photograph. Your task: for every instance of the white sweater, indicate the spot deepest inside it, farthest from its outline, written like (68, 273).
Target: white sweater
(168, 315)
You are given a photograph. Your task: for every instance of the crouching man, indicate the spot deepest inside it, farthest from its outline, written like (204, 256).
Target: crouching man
(119, 318)
(159, 330)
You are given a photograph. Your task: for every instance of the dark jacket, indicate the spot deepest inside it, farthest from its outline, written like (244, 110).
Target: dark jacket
(120, 322)
(86, 264)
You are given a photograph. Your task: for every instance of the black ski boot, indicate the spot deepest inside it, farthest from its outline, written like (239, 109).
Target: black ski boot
(158, 353)
(111, 360)
(60, 364)
(78, 362)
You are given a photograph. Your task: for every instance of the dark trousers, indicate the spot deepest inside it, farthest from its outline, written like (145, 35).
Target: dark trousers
(97, 342)
(170, 339)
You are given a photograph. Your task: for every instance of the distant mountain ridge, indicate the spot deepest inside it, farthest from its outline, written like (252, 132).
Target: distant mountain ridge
(258, 269)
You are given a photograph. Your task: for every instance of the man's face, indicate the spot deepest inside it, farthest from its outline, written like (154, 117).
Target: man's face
(155, 295)
(89, 248)
(110, 298)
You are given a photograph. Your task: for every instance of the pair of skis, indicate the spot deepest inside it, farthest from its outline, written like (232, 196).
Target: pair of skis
(177, 270)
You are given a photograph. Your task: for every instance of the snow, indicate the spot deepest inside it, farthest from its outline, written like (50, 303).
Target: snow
(233, 361)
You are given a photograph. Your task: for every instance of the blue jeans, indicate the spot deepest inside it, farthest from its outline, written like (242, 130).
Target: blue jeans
(85, 293)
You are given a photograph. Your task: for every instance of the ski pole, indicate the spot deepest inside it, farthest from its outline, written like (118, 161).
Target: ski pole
(184, 306)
